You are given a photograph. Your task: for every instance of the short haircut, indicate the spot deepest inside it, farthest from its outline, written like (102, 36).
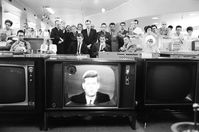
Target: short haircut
(73, 26)
(127, 36)
(154, 26)
(147, 27)
(80, 35)
(170, 26)
(103, 24)
(122, 23)
(189, 28)
(57, 21)
(112, 23)
(79, 24)
(20, 31)
(90, 74)
(102, 35)
(9, 21)
(178, 26)
(136, 21)
(88, 21)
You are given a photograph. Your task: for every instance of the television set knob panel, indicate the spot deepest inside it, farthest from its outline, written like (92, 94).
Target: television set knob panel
(53, 105)
(31, 103)
(30, 69)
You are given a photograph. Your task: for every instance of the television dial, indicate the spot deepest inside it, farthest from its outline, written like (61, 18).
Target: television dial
(30, 69)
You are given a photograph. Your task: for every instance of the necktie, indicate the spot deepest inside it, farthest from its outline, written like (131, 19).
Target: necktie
(100, 47)
(90, 101)
(88, 32)
(78, 46)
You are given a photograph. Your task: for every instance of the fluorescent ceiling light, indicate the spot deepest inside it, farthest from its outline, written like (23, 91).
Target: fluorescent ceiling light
(155, 18)
(155, 23)
(103, 10)
(192, 14)
(50, 10)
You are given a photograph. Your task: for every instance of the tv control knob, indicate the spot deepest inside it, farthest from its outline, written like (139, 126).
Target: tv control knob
(30, 69)
(53, 105)
(31, 103)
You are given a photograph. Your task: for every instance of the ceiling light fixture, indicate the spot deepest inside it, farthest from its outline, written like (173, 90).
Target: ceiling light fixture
(192, 14)
(103, 10)
(50, 10)
(155, 18)
(155, 23)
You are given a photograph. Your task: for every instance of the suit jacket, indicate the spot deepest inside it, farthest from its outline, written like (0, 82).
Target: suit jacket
(55, 35)
(73, 48)
(81, 98)
(95, 49)
(92, 38)
(120, 37)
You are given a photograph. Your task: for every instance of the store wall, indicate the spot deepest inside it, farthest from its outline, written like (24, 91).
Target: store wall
(27, 14)
(140, 8)
(0, 16)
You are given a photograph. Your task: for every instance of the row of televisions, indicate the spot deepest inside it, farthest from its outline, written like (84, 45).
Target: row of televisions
(121, 83)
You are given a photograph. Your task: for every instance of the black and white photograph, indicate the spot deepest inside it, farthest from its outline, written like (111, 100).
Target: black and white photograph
(99, 65)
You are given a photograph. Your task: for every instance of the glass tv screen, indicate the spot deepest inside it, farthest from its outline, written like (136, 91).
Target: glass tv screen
(91, 85)
(173, 82)
(12, 84)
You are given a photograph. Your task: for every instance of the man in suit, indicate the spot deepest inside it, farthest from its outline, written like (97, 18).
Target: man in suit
(123, 32)
(105, 33)
(100, 46)
(90, 85)
(90, 35)
(114, 42)
(78, 46)
(56, 38)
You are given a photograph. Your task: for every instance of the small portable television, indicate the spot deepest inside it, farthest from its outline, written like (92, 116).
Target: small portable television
(169, 82)
(195, 45)
(90, 84)
(17, 85)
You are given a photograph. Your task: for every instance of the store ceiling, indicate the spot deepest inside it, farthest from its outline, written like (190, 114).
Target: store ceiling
(71, 9)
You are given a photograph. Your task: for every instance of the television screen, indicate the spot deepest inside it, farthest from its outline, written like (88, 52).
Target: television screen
(170, 82)
(12, 84)
(91, 85)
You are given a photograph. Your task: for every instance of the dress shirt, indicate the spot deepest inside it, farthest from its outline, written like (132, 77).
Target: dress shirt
(79, 46)
(102, 46)
(90, 100)
(88, 31)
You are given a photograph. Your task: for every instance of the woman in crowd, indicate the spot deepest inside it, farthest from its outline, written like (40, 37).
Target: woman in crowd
(149, 40)
(48, 47)
(7, 30)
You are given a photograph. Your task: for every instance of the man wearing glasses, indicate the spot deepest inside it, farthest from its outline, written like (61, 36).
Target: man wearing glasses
(21, 46)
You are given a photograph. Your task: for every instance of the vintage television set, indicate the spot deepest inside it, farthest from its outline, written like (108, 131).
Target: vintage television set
(70, 82)
(168, 82)
(17, 85)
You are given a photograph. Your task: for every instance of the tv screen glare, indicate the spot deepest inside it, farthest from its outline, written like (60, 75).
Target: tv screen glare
(91, 85)
(12, 84)
(170, 82)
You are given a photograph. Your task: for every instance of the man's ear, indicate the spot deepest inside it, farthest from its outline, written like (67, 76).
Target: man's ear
(83, 86)
(98, 86)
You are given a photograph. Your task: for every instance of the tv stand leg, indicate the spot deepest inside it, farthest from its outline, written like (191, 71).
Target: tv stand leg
(45, 127)
(132, 122)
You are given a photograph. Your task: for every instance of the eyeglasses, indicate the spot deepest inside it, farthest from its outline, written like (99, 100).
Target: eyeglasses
(8, 25)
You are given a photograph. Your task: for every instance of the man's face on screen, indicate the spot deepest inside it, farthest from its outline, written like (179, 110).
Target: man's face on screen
(90, 86)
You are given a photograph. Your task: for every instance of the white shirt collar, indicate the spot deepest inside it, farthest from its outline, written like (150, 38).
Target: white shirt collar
(90, 100)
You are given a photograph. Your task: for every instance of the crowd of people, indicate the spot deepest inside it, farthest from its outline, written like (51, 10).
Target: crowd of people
(73, 39)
